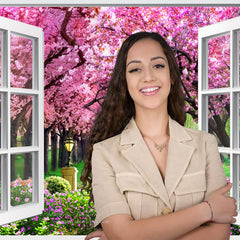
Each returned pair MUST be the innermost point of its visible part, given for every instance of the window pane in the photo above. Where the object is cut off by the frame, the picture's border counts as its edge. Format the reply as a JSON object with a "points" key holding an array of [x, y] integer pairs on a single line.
{"points": [[239, 58], [21, 120], [219, 118], [225, 159], [0, 120], [219, 62], [0, 58], [1, 182], [21, 62], [235, 178], [21, 179]]}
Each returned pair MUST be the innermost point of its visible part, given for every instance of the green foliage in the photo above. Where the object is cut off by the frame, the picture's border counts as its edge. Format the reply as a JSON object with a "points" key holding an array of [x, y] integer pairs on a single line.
{"points": [[226, 170], [190, 123], [226, 165], [227, 127], [57, 184], [235, 229], [63, 214], [78, 215]]}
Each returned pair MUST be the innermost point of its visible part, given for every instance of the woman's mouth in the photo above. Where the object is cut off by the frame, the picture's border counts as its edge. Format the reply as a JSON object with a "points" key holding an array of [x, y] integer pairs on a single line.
{"points": [[148, 91]]}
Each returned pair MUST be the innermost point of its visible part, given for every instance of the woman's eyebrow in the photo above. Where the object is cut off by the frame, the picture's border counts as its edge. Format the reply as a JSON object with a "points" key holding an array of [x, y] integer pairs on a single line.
{"points": [[153, 58], [134, 61]]}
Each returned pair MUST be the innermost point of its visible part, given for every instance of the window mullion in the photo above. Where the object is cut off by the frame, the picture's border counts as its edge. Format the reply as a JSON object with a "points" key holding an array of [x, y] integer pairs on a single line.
{"points": [[234, 113], [234, 167], [202, 85], [8, 120]]}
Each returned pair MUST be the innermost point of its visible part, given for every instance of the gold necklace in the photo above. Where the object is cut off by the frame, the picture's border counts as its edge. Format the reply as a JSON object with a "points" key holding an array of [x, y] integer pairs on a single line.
{"points": [[159, 147]]}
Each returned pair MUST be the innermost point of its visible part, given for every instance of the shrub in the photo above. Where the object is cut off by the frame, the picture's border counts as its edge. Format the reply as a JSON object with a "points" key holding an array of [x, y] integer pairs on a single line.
{"points": [[77, 216], [57, 184], [63, 214]]}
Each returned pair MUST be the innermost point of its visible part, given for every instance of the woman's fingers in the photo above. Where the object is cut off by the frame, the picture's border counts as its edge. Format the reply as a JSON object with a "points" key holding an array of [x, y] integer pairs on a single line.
{"points": [[94, 234], [236, 213], [224, 189]]}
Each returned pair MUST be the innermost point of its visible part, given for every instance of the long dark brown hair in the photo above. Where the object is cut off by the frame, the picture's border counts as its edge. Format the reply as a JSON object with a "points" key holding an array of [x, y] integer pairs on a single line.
{"points": [[118, 107]]}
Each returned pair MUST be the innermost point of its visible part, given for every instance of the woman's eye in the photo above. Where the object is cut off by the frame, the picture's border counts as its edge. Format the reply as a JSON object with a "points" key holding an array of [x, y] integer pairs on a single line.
{"points": [[159, 66], [134, 70]]}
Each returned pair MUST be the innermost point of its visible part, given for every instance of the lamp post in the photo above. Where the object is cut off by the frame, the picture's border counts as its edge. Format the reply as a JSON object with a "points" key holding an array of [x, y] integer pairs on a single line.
{"points": [[69, 143], [70, 173]]}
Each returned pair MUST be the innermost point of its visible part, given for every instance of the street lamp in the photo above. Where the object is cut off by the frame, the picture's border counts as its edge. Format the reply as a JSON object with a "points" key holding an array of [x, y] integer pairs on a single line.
{"points": [[69, 143]]}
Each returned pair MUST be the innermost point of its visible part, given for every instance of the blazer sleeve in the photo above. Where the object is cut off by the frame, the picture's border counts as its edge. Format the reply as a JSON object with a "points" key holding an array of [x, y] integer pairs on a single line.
{"points": [[215, 175], [108, 200]]}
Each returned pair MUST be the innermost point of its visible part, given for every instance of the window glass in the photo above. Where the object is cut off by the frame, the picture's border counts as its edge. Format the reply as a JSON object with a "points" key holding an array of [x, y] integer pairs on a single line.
{"points": [[219, 62], [21, 120], [1, 169], [225, 159], [21, 62], [0, 120], [219, 118], [0, 59], [239, 57], [21, 179]]}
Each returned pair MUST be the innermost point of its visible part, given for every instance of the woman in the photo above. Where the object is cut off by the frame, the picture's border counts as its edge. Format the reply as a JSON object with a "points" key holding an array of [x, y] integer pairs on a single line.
{"points": [[151, 177]]}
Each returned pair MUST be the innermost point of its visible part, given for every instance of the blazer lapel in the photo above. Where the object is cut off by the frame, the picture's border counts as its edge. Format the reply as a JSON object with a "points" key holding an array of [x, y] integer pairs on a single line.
{"points": [[179, 155], [139, 155]]}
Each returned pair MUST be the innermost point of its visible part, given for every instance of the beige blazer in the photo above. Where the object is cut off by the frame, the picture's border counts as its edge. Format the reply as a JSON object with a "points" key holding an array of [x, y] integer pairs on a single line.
{"points": [[126, 179]]}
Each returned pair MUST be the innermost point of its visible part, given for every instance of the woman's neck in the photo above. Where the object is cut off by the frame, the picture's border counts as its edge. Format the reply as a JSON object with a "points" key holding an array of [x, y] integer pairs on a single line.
{"points": [[153, 124]]}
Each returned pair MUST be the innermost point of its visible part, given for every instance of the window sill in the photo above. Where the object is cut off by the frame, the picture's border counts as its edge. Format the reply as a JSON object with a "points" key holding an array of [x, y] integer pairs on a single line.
{"points": [[66, 237]]}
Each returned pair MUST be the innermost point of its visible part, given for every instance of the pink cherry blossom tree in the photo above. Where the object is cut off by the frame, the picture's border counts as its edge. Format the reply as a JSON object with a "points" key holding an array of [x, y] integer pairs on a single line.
{"points": [[80, 47]]}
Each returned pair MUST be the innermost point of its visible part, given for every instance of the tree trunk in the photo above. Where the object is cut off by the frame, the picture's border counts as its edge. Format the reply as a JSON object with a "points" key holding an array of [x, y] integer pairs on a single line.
{"points": [[53, 150], [83, 146], [27, 165], [79, 150], [46, 143], [216, 125], [62, 150], [27, 141], [74, 154], [13, 144]]}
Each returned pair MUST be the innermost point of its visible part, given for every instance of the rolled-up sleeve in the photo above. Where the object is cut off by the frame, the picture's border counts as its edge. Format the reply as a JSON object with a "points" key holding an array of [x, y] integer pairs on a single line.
{"points": [[215, 175], [108, 200]]}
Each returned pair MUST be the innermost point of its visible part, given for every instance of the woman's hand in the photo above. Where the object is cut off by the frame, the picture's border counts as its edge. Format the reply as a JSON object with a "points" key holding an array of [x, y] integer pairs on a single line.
{"points": [[224, 208], [98, 233]]}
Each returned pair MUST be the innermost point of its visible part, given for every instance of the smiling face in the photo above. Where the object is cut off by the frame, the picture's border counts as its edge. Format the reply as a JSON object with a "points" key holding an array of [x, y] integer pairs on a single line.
{"points": [[148, 75]]}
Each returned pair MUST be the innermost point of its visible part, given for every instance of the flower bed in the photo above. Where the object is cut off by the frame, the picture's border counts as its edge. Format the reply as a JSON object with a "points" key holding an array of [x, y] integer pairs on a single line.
{"points": [[64, 214], [21, 191]]}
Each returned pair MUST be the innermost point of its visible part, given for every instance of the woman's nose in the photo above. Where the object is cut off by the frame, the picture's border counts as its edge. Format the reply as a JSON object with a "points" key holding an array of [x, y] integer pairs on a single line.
{"points": [[148, 75]]}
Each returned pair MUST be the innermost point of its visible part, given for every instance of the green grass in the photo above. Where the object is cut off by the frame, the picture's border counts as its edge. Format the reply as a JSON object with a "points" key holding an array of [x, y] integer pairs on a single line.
{"points": [[19, 166]]}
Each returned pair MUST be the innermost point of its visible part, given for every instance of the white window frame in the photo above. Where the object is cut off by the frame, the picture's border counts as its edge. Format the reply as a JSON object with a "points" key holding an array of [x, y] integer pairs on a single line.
{"points": [[10, 213], [231, 27]]}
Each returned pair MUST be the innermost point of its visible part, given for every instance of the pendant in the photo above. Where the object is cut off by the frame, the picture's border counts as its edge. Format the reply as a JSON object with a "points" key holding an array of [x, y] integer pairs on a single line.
{"points": [[160, 147]]}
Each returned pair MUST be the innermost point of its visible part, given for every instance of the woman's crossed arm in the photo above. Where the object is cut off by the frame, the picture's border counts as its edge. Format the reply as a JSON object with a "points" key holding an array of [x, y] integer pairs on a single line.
{"points": [[186, 224]]}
